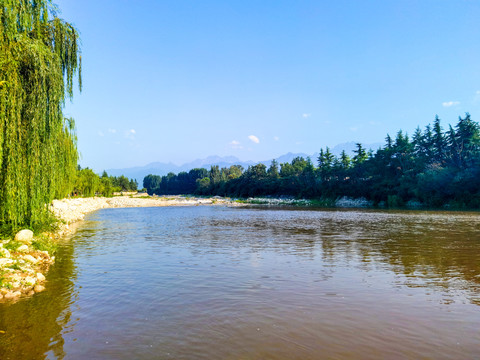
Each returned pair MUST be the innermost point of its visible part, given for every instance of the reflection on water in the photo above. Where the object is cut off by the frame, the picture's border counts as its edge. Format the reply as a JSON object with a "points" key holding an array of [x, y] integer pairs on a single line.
{"points": [[220, 283], [34, 326]]}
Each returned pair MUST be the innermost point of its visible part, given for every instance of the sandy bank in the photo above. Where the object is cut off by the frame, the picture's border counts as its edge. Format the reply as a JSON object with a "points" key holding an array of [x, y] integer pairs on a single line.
{"points": [[72, 210]]}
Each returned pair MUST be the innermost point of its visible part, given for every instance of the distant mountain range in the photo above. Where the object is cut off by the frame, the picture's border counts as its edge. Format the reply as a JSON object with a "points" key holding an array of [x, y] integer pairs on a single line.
{"points": [[159, 168]]}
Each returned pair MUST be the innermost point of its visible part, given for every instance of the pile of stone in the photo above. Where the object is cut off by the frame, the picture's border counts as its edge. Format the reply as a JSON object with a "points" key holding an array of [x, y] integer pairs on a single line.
{"points": [[22, 268]]}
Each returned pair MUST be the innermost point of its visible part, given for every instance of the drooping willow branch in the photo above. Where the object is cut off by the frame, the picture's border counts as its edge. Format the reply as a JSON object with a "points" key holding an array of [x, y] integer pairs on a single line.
{"points": [[39, 60]]}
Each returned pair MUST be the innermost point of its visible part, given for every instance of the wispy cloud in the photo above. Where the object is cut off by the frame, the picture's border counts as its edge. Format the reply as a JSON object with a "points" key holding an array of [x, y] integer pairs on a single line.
{"points": [[476, 98], [276, 138], [254, 139], [234, 144], [112, 131], [353, 128], [450, 103], [305, 115], [100, 133], [130, 134]]}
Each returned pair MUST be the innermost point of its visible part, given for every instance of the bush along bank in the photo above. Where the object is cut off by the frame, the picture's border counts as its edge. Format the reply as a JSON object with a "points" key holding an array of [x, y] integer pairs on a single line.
{"points": [[23, 262]]}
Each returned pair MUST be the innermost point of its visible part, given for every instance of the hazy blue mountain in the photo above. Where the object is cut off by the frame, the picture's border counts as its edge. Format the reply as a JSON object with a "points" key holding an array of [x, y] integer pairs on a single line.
{"points": [[288, 158], [352, 145], [139, 172], [159, 168], [215, 160]]}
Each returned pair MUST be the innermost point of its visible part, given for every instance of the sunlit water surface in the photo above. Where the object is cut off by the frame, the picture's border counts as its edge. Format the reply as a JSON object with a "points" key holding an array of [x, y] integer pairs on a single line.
{"points": [[237, 283]]}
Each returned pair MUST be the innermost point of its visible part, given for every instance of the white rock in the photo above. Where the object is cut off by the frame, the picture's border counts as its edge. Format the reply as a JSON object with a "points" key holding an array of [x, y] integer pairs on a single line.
{"points": [[40, 277], [39, 288], [9, 295], [4, 253], [5, 261], [30, 280], [24, 236], [23, 248], [30, 258]]}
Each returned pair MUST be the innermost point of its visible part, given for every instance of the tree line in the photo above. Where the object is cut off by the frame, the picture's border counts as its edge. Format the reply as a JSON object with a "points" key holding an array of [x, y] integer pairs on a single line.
{"points": [[434, 167], [87, 184]]}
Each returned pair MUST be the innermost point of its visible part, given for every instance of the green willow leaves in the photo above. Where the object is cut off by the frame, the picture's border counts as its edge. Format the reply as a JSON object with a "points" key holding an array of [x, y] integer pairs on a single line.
{"points": [[39, 60]]}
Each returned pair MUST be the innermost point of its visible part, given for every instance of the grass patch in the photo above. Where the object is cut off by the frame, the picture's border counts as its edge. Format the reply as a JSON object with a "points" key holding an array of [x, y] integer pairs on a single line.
{"points": [[15, 266], [323, 202], [49, 224], [12, 245], [5, 285], [44, 243]]}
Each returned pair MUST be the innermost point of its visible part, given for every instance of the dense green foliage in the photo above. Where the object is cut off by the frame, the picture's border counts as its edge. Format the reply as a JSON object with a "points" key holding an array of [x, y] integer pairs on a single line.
{"points": [[39, 58], [434, 167], [88, 183]]}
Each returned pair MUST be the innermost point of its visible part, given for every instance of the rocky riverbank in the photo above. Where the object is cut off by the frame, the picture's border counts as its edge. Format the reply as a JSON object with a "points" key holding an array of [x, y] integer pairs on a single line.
{"points": [[25, 259], [23, 262]]}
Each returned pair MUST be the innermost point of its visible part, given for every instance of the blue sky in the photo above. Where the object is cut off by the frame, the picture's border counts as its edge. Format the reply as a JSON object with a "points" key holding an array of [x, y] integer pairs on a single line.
{"points": [[180, 80]]}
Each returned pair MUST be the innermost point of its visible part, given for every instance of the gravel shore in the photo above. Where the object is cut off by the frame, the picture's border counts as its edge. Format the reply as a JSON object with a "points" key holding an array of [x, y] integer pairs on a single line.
{"points": [[72, 210]]}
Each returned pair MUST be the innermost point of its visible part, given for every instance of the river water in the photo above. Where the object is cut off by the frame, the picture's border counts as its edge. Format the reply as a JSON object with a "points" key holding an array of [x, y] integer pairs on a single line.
{"points": [[251, 283]]}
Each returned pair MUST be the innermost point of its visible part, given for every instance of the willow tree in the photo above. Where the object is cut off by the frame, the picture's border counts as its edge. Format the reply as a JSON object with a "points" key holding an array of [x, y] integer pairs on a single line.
{"points": [[39, 60]]}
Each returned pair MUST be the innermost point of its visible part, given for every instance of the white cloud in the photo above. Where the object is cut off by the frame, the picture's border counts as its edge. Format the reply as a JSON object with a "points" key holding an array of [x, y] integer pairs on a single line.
{"points": [[305, 115], [234, 144], [450, 103], [130, 134], [353, 128], [276, 138], [100, 133], [254, 139], [478, 92], [112, 131]]}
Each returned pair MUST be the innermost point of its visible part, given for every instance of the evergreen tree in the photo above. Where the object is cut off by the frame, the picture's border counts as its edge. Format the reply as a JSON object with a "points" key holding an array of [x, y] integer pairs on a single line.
{"points": [[360, 154], [345, 160], [439, 142], [273, 169]]}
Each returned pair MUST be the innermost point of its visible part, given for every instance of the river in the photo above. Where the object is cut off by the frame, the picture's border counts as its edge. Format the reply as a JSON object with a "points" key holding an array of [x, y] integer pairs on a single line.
{"points": [[254, 283]]}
